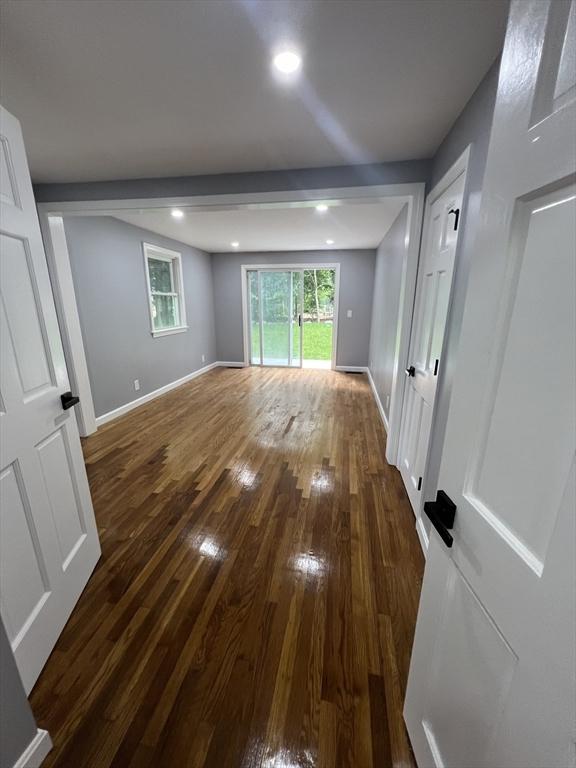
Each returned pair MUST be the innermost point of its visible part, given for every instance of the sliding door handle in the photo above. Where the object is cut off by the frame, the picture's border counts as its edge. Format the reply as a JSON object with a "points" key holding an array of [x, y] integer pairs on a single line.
{"points": [[441, 514], [411, 371]]}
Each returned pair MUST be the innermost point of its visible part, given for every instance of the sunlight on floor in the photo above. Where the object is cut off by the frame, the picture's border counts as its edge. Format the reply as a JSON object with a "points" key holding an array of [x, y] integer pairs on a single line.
{"points": [[317, 364]]}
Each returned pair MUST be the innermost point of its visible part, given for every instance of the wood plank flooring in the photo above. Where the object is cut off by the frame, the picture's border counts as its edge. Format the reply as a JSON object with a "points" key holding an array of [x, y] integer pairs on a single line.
{"points": [[256, 598]]}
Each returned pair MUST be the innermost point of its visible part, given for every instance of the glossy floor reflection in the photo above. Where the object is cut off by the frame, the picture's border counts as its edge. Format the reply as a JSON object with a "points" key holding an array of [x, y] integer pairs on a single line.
{"points": [[256, 598]]}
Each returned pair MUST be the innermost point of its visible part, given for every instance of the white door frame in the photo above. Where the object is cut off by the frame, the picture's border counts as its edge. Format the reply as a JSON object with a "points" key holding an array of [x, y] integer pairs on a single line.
{"points": [[457, 169], [67, 309], [245, 268], [58, 258]]}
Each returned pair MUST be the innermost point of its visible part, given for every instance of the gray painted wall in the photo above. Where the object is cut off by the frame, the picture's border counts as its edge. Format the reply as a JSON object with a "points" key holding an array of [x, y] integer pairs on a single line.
{"points": [[356, 279], [17, 725], [405, 172], [110, 283], [473, 126], [385, 307]]}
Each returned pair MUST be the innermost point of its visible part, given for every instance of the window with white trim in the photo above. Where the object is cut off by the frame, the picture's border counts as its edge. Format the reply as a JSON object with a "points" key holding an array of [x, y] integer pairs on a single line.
{"points": [[165, 290]]}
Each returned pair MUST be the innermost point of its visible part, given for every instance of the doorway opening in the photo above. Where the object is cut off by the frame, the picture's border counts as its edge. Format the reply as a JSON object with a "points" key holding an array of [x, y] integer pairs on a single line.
{"points": [[260, 223], [292, 315]]}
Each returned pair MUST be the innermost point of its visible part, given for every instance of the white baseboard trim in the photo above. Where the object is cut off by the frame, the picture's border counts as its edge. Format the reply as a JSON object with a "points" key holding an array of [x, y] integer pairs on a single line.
{"points": [[378, 402], [422, 535], [351, 368], [34, 754], [106, 417], [225, 364]]}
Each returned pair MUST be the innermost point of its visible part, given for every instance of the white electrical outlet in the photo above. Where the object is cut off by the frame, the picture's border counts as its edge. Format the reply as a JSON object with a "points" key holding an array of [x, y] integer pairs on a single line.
{"points": [[203, 358], [136, 384], [387, 402], [349, 313]]}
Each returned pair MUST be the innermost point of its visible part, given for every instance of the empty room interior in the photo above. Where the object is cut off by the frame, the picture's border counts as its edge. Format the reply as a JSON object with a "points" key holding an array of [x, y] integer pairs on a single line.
{"points": [[287, 384]]}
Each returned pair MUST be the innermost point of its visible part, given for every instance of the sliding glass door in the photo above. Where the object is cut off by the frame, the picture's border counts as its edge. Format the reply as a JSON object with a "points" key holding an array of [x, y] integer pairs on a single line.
{"points": [[275, 297]]}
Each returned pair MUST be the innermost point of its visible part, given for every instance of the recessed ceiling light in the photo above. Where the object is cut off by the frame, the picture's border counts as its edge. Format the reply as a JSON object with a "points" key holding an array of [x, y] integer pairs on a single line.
{"points": [[322, 208], [235, 244], [329, 242], [287, 62], [177, 213]]}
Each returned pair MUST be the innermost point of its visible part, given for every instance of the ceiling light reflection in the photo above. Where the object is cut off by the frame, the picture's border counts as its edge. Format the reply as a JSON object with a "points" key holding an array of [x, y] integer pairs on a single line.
{"points": [[246, 477], [283, 759], [309, 564], [322, 482], [212, 549]]}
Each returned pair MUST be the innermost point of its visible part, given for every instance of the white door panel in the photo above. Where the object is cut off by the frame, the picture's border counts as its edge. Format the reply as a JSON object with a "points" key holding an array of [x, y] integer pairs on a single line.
{"points": [[467, 672], [431, 310], [534, 362], [57, 473], [49, 543], [498, 611], [24, 577]]}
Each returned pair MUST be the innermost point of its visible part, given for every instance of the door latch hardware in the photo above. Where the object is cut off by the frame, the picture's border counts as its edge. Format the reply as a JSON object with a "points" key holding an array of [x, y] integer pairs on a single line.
{"points": [[441, 514], [68, 400], [456, 212], [411, 371], [419, 483], [436, 367]]}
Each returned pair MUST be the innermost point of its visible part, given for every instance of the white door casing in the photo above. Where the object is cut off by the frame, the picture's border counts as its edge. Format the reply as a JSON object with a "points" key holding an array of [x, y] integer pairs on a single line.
{"points": [[492, 678], [433, 290], [48, 540]]}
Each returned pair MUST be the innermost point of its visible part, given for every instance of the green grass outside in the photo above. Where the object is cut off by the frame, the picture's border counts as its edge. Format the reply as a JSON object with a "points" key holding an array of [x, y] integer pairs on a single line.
{"points": [[317, 339]]}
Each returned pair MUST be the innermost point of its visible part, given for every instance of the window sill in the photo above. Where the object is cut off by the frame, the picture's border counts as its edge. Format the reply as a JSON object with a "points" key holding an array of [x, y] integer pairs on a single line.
{"points": [[170, 331]]}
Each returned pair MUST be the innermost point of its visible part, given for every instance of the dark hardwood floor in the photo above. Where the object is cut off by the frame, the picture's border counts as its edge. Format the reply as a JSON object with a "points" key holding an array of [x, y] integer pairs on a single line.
{"points": [[256, 597]]}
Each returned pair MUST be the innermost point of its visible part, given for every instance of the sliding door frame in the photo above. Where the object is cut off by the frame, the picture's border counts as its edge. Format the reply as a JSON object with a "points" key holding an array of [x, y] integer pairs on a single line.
{"points": [[260, 319], [245, 268], [300, 316]]}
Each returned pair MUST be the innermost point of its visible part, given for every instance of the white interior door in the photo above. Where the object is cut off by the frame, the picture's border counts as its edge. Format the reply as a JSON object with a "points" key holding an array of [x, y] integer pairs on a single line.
{"points": [[48, 538], [430, 311], [492, 676]]}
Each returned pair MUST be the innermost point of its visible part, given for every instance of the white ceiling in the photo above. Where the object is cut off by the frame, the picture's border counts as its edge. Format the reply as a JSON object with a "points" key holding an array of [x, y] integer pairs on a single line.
{"points": [[129, 89], [279, 227]]}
